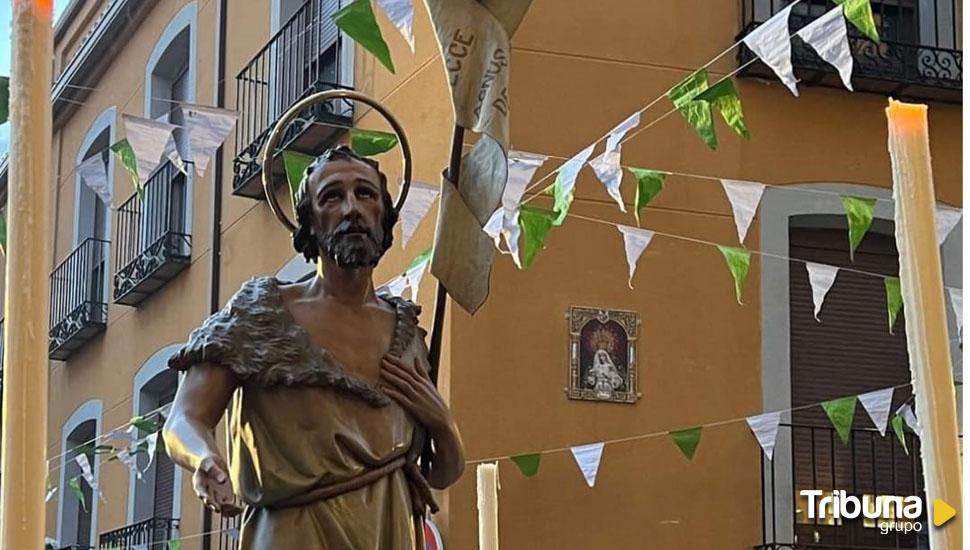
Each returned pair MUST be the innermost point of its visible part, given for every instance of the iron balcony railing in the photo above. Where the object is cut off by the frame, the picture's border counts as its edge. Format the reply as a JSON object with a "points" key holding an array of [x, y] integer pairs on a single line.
{"points": [[151, 534], [869, 464], [229, 532], [919, 54], [153, 243], [302, 58], [79, 308]]}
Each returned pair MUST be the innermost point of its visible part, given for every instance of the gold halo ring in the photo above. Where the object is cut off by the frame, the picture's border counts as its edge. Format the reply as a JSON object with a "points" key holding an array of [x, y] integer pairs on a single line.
{"points": [[272, 142]]}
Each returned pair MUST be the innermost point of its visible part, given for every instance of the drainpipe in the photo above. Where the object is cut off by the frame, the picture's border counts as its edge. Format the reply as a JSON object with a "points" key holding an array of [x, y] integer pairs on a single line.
{"points": [[215, 255]]}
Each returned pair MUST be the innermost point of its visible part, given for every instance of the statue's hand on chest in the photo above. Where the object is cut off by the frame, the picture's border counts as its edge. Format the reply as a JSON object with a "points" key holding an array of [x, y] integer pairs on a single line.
{"points": [[356, 337]]}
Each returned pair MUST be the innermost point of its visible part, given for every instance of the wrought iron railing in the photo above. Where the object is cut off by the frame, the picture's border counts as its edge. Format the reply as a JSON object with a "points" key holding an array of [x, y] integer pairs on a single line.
{"points": [[153, 243], [869, 464], [79, 307], [229, 532], [302, 58], [919, 53], [151, 534]]}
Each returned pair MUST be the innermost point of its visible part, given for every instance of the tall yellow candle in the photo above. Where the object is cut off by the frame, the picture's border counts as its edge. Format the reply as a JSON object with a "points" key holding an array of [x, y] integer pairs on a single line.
{"points": [[921, 281], [29, 213], [488, 487]]}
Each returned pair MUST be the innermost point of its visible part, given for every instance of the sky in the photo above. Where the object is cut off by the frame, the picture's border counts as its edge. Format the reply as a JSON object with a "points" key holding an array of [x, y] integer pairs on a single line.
{"points": [[59, 6]]}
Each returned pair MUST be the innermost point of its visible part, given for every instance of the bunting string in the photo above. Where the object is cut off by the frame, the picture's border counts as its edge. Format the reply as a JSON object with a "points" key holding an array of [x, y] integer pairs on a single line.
{"points": [[711, 243], [661, 433]]}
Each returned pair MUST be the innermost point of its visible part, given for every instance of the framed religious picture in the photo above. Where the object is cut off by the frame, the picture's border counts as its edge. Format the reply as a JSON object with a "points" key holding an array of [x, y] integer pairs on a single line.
{"points": [[603, 354]]}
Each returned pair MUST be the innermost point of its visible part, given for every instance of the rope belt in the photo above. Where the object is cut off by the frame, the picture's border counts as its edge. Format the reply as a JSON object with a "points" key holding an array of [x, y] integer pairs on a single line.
{"points": [[420, 492]]}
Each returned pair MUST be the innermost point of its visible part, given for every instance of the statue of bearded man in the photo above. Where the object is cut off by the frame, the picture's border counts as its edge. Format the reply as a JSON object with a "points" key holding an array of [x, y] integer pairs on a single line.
{"points": [[331, 402]]}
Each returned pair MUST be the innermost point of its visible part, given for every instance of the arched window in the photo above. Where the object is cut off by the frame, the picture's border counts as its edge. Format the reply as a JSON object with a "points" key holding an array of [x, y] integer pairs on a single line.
{"points": [[76, 522], [92, 217], [157, 494], [170, 77]]}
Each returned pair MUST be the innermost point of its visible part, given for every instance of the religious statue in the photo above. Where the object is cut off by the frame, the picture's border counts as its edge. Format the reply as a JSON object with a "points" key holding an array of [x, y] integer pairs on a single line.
{"points": [[330, 402], [603, 376]]}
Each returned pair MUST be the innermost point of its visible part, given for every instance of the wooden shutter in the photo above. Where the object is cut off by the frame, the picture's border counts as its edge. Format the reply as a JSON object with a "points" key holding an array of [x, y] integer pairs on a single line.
{"points": [[849, 352]]}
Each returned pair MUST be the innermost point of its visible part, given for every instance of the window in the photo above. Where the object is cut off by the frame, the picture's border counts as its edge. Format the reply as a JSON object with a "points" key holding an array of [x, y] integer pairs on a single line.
{"points": [[77, 523]]}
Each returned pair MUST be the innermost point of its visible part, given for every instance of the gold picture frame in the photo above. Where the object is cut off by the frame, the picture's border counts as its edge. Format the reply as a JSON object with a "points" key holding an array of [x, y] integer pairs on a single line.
{"points": [[603, 355]]}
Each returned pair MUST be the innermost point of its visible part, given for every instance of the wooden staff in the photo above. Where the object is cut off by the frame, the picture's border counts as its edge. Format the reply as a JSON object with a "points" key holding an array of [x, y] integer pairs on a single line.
{"points": [[29, 245], [921, 281]]}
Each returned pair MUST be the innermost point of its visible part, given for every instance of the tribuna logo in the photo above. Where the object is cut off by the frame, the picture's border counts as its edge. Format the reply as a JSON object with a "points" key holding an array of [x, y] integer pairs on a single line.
{"points": [[902, 511], [839, 505]]}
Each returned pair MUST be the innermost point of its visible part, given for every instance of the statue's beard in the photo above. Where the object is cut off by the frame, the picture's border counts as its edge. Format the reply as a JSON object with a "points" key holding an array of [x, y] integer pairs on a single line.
{"points": [[351, 250]]}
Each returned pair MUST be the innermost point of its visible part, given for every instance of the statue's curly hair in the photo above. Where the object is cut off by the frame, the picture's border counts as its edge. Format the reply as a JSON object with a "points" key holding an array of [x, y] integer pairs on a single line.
{"points": [[303, 240]]}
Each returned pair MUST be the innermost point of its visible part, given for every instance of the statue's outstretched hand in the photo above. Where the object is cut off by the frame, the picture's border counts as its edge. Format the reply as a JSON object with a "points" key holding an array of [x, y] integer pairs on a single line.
{"points": [[411, 387], [212, 485]]}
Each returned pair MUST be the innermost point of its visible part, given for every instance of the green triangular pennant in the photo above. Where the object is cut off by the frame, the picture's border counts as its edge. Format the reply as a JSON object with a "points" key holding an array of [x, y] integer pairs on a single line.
{"points": [[528, 464], [894, 300], [368, 143], [649, 184], [4, 98], [535, 223], [738, 261], [145, 424], [295, 165], [357, 20], [724, 97], [859, 13], [418, 259], [126, 155], [897, 424], [687, 440], [75, 484], [175, 544], [841, 412], [858, 213], [697, 113]]}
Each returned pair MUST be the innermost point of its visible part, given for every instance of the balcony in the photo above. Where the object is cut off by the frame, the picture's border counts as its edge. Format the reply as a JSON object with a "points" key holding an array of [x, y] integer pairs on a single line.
{"points": [[813, 457], [79, 308], [919, 57], [151, 534], [302, 58], [153, 243]]}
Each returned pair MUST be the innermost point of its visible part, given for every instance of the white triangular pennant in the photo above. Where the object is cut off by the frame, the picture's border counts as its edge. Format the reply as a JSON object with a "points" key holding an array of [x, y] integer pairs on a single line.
{"points": [[744, 197], [394, 287], [635, 241], [171, 153], [588, 459], [821, 277], [419, 200], [828, 36], [877, 404], [771, 42], [570, 169], [401, 14], [208, 128], [51, 491], [765, 429], [86, 473], [94, 174], [414, 276], [956, 301], [130, 460], [152, 440], [505, 221], [148, 139], [607, 164], [947, 218]]}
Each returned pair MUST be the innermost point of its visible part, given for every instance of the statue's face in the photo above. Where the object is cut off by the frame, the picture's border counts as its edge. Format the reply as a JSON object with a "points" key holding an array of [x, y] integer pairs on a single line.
{"points": [[347, 213]]}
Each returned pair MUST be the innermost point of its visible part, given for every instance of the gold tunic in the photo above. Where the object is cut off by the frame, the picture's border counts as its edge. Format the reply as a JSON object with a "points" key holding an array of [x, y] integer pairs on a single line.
{"points": [[300, 423]]}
